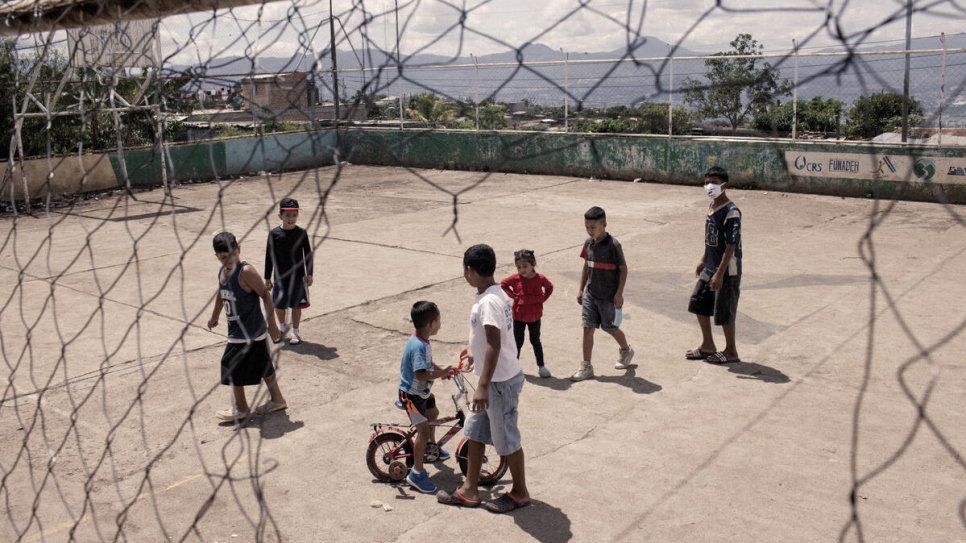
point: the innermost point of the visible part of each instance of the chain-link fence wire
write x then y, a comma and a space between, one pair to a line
99, 96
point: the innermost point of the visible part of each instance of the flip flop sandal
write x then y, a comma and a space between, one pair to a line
697, 354
505, 504
456, 499
270, 407
720, 358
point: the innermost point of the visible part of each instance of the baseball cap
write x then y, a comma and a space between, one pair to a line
288, 203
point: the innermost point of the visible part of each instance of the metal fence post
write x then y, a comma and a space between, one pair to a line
566, 89
476, 90
795, 93
670, 94
942, 90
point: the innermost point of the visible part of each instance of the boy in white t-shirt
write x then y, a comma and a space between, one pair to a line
494, 413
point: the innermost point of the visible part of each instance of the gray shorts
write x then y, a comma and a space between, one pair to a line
597, 313
498, 424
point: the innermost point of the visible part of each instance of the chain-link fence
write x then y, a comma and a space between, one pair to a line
84, 461
539, 89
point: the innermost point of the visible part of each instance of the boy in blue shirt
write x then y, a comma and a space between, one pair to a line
719, 272
416, 373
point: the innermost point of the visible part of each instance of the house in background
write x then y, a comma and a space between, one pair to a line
291, 96
277, 93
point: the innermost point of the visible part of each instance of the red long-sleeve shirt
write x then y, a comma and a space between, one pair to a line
528, 295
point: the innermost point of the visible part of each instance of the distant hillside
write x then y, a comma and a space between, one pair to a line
596, 79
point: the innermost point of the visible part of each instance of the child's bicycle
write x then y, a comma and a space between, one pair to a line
390, 452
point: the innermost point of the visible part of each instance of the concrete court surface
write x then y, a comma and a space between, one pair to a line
107, 419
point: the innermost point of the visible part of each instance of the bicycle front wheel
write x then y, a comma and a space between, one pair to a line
493, 468
389, 456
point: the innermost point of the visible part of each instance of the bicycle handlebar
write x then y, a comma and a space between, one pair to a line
461, 368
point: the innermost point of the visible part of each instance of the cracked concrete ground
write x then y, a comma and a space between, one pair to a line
107, 420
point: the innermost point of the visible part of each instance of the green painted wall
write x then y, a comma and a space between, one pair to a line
223, 158
751, 163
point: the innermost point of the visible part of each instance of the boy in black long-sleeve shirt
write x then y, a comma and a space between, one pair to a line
289, 252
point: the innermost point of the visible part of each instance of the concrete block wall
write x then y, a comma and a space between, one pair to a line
835, 168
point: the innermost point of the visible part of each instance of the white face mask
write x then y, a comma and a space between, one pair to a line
713, 190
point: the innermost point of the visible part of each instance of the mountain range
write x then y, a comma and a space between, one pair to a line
537, 73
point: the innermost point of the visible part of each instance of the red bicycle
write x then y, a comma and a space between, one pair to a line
390, 452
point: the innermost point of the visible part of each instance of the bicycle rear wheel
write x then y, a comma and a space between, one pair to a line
493, 468
389, 456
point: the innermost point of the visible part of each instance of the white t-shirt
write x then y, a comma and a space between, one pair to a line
493, 308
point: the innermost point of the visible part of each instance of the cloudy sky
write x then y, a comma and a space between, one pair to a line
433, 26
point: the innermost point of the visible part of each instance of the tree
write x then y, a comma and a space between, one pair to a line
492, 115
815, 115
653, 119
881, 112
64, 134
429, 108
736, 87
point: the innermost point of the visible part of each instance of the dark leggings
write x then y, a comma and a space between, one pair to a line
519, 329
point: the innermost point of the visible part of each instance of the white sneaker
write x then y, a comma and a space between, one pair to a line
624, 361
284, 331
586, 371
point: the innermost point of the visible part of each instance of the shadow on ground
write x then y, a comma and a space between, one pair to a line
628, 378
543, 522
318, 350
757, 372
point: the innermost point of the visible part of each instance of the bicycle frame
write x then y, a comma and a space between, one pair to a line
390, 453
409, 430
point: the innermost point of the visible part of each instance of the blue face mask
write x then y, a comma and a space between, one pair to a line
713, 190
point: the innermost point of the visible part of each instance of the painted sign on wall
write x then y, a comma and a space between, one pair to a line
878, 167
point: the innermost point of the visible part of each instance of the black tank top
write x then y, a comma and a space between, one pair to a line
245, 320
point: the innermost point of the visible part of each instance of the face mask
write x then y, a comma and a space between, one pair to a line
713, 190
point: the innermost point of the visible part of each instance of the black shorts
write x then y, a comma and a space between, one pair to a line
245, 364
417, 407
290, 292
723, 304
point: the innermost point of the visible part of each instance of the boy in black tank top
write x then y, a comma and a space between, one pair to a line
246, 360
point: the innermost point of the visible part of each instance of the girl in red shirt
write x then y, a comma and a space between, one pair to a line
529, 290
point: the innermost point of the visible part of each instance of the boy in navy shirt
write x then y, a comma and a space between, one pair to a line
719, 272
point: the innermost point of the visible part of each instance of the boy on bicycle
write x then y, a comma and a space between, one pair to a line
416, 373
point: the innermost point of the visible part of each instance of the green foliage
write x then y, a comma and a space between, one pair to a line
736, 87
430, 109
881, 112
492, 116
96, 129
605, 126
367, 101
229, 131
616, 112
462, 124
815, 115
648, 119
8, 69
653, 119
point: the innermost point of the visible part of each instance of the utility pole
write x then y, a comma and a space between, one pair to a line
905, 82
335, 66
399, 67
